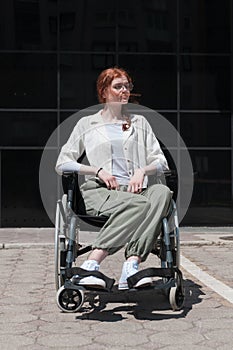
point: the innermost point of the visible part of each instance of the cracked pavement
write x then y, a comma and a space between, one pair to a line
30, 318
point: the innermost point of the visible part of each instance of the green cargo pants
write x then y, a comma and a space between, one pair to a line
134, 219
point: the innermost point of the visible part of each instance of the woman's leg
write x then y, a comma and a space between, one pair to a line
134, 220
126, 212
144, 238
143, 241
98, 255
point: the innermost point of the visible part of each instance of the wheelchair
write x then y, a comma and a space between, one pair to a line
69, 211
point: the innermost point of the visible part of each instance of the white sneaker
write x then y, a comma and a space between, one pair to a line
90, 265
90, 281
128, 270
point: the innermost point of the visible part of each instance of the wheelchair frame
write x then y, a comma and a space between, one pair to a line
70, 297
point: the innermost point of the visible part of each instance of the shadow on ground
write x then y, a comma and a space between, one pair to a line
148, 304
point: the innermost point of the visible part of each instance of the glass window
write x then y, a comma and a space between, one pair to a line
206, 130
171, 117
87, 25
205, 26
78, 78
27, 128
21, 201
205, 82
212, 200
213, 177
154, 78
147, 25
28, 25
65, 115
28, 80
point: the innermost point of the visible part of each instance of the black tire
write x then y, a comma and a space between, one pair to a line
70, 300
60, 245
176, 298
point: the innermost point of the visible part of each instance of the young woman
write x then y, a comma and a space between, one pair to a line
122, 151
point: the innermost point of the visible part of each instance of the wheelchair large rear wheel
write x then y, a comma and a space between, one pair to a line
60, 243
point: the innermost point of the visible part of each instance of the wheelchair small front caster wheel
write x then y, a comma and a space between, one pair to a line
70, 300
176, 298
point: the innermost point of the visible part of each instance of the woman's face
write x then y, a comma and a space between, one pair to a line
118, 90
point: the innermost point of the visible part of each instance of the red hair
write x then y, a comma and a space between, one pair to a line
106, 77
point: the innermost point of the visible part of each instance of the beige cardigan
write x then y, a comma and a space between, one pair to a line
140, 145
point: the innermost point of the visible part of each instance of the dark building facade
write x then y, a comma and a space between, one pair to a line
179, 53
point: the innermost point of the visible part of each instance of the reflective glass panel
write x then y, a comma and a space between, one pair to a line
147, 25
28, 80
21, 201
27, 128
171, 117
87, 25
28, 25
78, 75
212, 200
205, 26
213, 177
207, 130
154, 78
205, 82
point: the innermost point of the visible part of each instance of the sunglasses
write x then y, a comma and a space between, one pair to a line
126, 86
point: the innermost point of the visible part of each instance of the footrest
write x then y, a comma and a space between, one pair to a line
84, 273
150, 272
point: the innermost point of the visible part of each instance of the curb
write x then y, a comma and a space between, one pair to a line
51, 245
25, 245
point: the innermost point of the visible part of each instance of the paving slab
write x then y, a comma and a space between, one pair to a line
40, 237
30, 318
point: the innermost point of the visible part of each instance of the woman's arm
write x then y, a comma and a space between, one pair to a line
77, 167
71, 151
82, 169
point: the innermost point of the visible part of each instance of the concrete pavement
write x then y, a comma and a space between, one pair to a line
30, 318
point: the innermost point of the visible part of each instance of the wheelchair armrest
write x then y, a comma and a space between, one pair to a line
74, 196
69, 173
69, 184
170, 173
72, 173
71, 188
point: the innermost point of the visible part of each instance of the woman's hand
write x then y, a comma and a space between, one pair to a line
108, 179
136, 181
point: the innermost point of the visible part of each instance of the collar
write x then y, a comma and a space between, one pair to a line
97, 119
